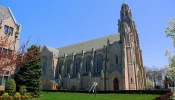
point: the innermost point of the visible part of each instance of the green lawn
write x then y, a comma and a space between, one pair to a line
80, 96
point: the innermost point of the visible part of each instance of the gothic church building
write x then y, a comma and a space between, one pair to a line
114, 62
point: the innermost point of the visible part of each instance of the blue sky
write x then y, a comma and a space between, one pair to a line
59, 23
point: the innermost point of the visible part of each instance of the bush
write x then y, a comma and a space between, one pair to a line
5, 96
171, 97
157, 87
165, 96
10, 87
17, 96
26, 96
22, 90
59, 88
81, 89
36, 94
73, 87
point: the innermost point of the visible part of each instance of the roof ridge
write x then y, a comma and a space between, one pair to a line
10, 13
87, 41
51, 47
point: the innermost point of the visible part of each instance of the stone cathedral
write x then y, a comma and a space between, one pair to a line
114, 61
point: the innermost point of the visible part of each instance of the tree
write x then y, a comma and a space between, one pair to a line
12, 59
29, 73
170, 32
148, 83
154, 74
167, 82
10, 87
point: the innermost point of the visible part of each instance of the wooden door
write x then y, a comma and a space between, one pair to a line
116, 84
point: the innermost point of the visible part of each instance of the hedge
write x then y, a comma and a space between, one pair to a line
158, 92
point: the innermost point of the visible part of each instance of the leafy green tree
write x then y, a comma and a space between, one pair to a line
29, 74
10, 87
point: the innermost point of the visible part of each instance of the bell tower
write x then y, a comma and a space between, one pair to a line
131, 53
125, 13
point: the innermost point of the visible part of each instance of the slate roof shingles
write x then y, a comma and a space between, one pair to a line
4, 13
88, 45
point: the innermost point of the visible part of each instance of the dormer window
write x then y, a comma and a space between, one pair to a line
8, 30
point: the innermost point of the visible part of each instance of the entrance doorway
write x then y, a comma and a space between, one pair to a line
116, 84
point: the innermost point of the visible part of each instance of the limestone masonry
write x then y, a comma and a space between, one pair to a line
114, 61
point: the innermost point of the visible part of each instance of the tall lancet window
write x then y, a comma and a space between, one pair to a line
88, 64
116, 60
122, 16
60, 67
57, 72
44, 68
126, 15
99, 63
68, 66
77, 66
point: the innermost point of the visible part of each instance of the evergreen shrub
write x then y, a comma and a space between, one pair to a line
10, 87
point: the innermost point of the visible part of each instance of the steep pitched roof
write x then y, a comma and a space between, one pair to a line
55, 51
6, 13
88, 45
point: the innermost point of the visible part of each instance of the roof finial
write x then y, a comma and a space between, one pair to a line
124, 2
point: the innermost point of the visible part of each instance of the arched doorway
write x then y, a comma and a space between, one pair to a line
116, 84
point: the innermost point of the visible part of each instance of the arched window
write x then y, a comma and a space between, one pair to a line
60, 66
56, 72
68, 66
99, 63
44, 68
116, 60
122, 16
88, 64
77, 66
126, 15
131, 80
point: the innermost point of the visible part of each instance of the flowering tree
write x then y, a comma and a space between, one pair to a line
11, 58
148, 83
170, 32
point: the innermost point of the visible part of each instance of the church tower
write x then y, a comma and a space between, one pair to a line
134, 74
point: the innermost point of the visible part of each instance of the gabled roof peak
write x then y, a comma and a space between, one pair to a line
6, 13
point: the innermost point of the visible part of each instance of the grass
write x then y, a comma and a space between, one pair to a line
81, 96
